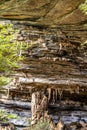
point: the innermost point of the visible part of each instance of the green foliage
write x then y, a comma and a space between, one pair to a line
4, 116
43, 125
4, 80
9, 48
84, 6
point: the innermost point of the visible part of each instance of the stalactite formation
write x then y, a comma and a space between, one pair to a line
39, 106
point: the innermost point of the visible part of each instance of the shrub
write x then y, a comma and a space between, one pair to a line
84, 6
10, 50
43, 125
4, 80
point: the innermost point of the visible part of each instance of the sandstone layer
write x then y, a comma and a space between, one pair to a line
44, 12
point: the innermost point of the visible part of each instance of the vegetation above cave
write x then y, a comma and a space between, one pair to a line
84, 7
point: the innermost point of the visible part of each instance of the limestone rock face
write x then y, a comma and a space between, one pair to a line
43, 12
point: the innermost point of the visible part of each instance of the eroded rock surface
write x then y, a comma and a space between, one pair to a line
55, 65
54, 60
43, 12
